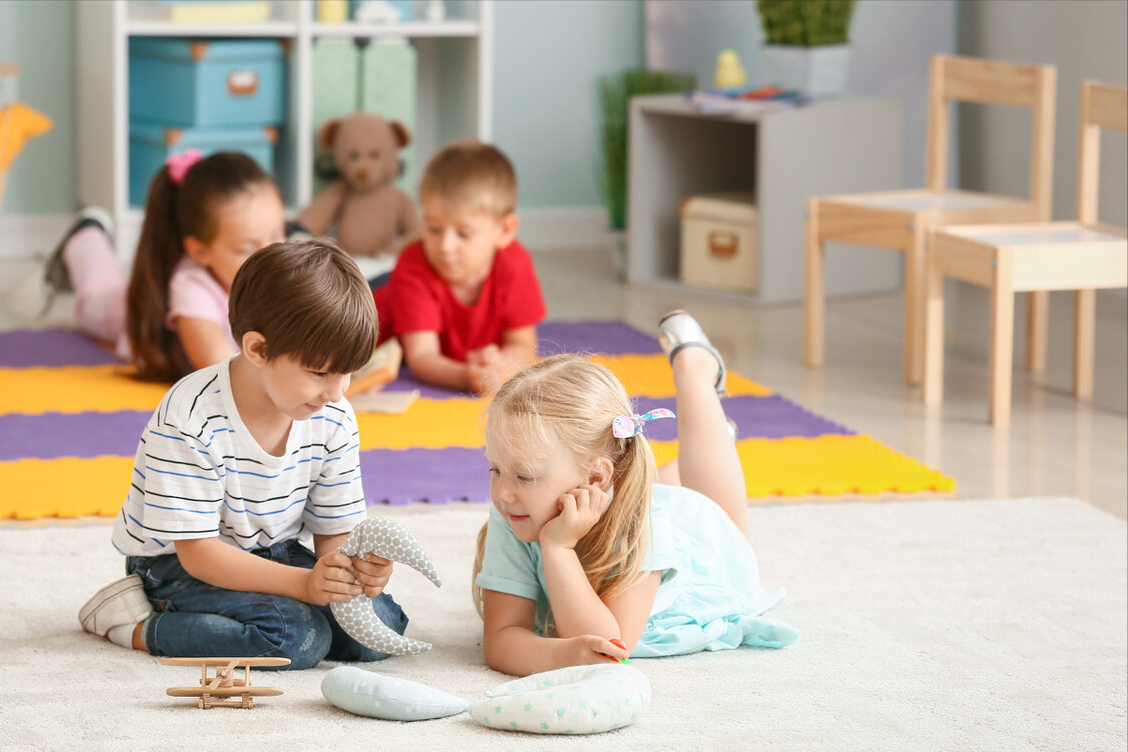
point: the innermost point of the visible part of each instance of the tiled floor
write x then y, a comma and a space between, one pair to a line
1055, 446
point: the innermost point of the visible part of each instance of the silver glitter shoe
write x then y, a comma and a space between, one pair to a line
678, 329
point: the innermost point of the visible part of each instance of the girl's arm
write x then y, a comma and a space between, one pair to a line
511, 645
578, 610
225, 566
576, 607
203, 341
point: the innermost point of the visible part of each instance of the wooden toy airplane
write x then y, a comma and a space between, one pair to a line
212, 689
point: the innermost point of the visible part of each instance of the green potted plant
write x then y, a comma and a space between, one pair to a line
614, 93
807, 43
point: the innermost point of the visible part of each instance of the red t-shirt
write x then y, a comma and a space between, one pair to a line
416, 299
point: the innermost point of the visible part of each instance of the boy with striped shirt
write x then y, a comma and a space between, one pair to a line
241, 465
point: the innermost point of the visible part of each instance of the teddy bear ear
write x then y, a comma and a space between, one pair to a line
328, 132
402, 134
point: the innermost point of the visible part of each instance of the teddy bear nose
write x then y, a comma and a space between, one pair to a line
362, 175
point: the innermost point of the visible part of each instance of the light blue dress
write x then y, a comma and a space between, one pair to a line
710, 597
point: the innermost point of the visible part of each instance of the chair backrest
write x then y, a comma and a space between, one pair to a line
969, 79
1102, 106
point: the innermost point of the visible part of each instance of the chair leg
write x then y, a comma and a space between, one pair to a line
914, 307
934, 335
1037, 316
1084, 318
1002, 351
814, 290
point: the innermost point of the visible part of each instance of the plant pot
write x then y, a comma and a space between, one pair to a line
814, 71
617, 243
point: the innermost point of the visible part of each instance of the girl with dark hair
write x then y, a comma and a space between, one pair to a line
203, 218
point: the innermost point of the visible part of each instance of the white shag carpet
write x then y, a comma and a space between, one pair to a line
925, 625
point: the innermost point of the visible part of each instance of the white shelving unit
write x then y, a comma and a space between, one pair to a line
454, 88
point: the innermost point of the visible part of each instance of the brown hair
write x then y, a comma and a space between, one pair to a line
577, 401
472, 175
308, 299
174, 212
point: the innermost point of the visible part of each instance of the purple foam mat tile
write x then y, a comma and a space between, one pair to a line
405, 382
588, 336
772, 417
89, 434
436, 476
24, 348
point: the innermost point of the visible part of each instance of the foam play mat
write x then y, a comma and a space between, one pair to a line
70, 419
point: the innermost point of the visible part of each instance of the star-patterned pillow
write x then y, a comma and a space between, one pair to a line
575, 700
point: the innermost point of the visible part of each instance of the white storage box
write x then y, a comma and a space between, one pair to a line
718, 241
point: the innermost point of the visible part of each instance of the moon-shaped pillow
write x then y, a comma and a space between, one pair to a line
390, 540
377, 696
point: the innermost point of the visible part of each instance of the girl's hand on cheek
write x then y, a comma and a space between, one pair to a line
580, 509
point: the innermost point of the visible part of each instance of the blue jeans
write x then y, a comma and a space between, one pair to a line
194, 618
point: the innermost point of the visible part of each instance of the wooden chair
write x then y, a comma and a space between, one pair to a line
898, 220
1082, 256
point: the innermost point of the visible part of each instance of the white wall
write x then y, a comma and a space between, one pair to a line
892, 41
39, 36
1084, 39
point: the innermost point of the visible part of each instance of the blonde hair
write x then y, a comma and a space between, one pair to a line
576, 401
473, 176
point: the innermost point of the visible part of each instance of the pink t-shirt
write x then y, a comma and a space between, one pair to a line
194, 292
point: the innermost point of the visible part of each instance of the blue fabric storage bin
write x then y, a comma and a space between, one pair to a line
150, 145
220, 82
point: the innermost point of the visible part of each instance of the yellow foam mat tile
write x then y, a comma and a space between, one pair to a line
650, 376
75, 389
832, 465
428, 423
64, 487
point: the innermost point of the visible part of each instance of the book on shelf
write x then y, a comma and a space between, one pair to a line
744, 101
201, 11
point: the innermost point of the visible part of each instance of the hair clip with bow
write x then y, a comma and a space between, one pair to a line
627, 426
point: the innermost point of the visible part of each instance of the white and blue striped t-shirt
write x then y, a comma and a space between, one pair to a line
199, 473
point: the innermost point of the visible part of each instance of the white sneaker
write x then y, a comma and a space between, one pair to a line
55, 273
120, 602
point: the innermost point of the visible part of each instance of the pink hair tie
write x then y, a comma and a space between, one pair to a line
179, 164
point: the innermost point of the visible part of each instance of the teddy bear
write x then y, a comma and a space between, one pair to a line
372, 216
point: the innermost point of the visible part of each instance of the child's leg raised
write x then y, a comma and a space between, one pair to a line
99, 284
707, 458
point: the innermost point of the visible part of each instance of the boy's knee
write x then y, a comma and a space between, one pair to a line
302, 634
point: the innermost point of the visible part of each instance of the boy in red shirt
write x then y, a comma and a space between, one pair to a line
465, 301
